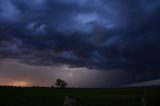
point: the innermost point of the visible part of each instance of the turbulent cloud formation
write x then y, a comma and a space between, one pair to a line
96, 34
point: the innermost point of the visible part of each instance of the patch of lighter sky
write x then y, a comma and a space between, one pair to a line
22, 74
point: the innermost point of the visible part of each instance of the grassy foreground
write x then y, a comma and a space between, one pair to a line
84, 97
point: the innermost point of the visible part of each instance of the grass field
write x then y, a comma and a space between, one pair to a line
84, 97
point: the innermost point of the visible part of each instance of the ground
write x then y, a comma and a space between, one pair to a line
84, 97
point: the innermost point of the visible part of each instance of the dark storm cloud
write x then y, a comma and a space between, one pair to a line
100, 35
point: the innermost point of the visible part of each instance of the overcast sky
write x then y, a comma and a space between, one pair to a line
88, 43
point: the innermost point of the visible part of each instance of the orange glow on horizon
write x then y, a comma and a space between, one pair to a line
19, 83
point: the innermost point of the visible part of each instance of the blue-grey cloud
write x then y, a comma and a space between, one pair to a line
97, 34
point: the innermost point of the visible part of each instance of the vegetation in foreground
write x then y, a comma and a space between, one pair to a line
84, 97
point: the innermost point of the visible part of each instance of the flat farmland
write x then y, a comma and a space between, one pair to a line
84, 97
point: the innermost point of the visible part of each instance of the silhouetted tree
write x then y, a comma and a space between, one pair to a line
61, 84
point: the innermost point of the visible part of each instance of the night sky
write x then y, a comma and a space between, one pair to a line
87, 43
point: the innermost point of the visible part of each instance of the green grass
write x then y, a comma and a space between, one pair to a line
84, 97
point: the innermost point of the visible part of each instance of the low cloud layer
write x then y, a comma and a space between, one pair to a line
96, 34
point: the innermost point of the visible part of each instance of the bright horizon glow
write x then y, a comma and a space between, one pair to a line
17, 83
